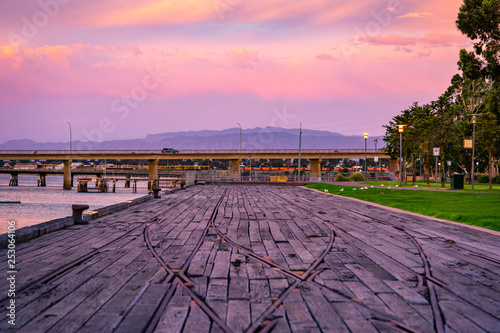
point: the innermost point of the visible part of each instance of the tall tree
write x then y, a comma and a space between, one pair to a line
480, 21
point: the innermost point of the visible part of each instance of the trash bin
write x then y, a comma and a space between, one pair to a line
457, 182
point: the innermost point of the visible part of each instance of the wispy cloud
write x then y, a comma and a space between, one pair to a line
415, 15
430, 39
325, 57
245, 57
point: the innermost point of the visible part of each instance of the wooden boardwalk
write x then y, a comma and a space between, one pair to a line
257, 259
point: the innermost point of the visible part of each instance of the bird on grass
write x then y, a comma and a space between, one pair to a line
382, 185
354, 189
326, 190
396, 186
341, 189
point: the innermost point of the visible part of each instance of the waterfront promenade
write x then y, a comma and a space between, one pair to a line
257, 259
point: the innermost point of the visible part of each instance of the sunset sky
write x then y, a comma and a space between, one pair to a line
127, 68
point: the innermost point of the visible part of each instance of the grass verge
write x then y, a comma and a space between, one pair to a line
467, 187
474, 208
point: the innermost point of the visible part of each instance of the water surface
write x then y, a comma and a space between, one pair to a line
41, 204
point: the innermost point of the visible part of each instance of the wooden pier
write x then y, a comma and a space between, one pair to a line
257, 259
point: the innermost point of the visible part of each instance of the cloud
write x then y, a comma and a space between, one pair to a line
415, 15
423, 53
245, 57
325, 57
430, 40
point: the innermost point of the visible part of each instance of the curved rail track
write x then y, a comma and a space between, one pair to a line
177, 280
425, 278
265, 322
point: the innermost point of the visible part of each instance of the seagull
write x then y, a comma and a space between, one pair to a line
382, 185
362, 188
371, 186
354, 189
341, 189
326, 190
396, 186
415, 186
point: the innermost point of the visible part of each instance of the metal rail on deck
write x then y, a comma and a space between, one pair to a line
184, 152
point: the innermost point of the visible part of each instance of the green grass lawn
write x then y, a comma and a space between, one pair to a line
467, 186
479, 208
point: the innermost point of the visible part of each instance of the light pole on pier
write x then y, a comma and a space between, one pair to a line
70, 140
375, 159
104, 155
240, 136
300, 147
474, 119
401, 129
365, 135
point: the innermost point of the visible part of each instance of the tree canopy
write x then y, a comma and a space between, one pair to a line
446, 122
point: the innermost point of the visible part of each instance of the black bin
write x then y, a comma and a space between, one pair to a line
457, 182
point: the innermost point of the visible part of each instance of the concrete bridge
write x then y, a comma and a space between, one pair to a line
235, 157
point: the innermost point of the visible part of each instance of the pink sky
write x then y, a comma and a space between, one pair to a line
125, 69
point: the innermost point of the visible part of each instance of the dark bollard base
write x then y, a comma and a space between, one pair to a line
78, 212
156, 193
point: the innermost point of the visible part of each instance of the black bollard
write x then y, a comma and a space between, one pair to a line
77, 213
156, 192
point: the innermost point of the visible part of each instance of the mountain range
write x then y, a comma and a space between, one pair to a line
256, 138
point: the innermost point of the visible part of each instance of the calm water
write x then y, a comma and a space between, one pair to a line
41, 204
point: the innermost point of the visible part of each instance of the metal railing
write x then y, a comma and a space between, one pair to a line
187, 152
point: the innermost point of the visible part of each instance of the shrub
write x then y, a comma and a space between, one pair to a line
496, 179
356, 177
340, 178
483, 178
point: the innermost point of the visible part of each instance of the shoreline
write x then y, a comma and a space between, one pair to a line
26, 233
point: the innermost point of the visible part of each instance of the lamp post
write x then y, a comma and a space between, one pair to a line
240, 136
375, 159
365, 135
104, 155
250, 164
474, 119
300, 147
401, 129
70, 140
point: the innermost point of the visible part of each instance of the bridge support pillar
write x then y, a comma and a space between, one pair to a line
68, 179
42, 180
234, 169
13, 179
315, 170
152, 174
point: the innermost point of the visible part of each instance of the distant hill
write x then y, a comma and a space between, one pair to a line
256, 138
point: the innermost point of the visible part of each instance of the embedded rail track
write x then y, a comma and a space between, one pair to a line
258, 259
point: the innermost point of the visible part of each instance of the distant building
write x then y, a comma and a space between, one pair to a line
27, 166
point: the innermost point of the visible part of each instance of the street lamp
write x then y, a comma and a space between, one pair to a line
365, 135
70, 140
376, 158
401, 129
300, 147
240, 136
250, 165
104, 155
474, 119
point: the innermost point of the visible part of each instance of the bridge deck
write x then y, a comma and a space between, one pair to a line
244, 258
